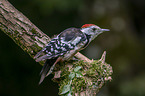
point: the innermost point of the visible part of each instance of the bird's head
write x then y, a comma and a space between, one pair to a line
92, 30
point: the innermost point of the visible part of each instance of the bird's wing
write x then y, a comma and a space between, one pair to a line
52, 50
64, 42
72, 36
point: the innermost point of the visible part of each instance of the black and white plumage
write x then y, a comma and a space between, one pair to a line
69, 39
66, 45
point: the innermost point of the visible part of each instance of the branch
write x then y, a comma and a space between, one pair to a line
82, 78
24, 33
21, 29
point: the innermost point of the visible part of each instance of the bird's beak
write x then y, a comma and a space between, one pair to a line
105, 30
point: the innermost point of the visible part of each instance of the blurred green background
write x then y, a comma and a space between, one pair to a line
125, 44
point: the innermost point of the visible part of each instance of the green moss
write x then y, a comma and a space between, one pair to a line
78, 84
90, 75
33, 31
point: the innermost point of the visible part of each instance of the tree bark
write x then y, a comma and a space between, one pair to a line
21, 29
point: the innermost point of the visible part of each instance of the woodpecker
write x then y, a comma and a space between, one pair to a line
65, 45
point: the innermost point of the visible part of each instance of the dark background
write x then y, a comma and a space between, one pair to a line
125, 44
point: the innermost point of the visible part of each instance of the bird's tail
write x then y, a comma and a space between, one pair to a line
46, 68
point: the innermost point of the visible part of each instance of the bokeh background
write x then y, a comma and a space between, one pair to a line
125, 44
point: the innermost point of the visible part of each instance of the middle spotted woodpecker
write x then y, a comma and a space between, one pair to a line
65, 45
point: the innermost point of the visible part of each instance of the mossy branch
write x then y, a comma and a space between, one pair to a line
82, 78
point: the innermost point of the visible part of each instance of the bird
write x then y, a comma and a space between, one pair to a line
65, 45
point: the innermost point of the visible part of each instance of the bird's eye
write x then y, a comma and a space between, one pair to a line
94, 29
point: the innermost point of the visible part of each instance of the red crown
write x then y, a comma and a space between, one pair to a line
87, 25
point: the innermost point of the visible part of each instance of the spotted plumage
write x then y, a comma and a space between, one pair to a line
67, 40
65, 45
